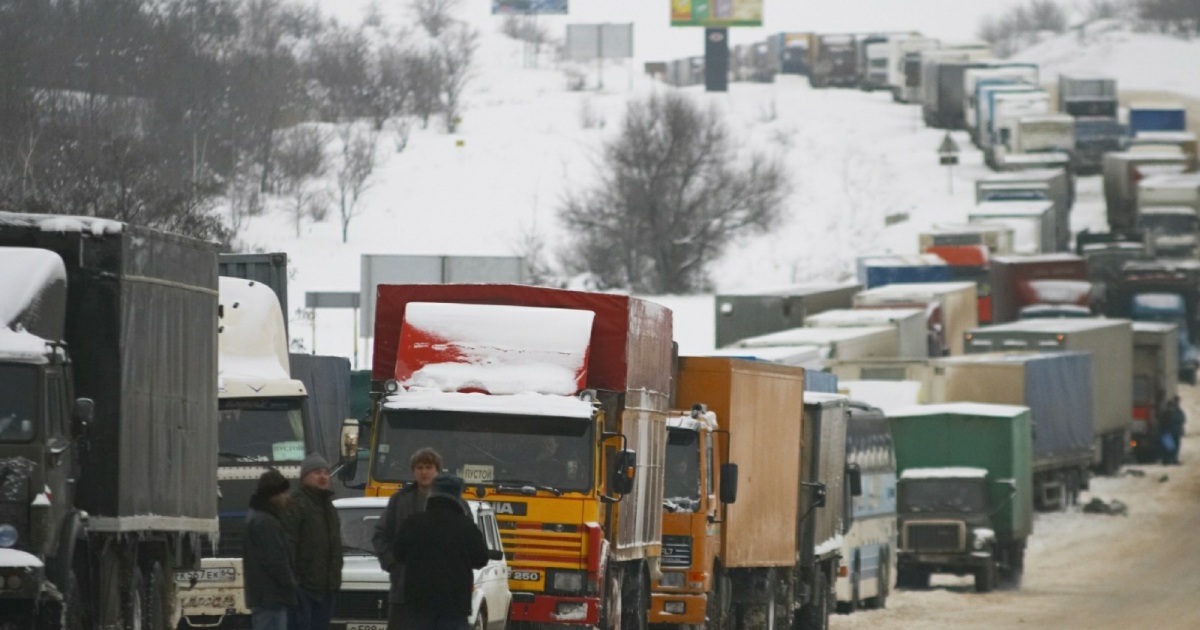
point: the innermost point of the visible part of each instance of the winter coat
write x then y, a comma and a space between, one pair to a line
440, 547
315, 533
400, 507
269, 580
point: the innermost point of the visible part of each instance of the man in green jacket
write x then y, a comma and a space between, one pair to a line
315, 534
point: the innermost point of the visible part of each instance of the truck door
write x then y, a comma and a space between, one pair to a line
61, 456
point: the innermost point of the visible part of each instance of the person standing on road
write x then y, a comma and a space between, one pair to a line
1175, 421
426, 463
440, 548
269, 583
315, 533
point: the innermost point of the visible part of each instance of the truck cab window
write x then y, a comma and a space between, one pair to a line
18, 402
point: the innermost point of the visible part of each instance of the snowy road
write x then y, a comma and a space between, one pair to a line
1086, 570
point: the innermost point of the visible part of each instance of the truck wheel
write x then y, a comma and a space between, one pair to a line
720, 601
610, 611
879, 602
135, 601
635, 601
160, 594
76, 617
815, 614
985, 578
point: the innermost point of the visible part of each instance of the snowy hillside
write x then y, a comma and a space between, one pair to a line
525, 140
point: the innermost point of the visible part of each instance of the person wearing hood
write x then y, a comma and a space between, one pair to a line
440, 548
315, 534
269, 581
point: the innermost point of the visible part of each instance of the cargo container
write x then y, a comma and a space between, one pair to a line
944, 94
1155, 381
959, 310
1020, 282
1034, 223
901, 371
999, 124
900, 54
869, 545
1080, 95
834, 343
743, 315
964, 495
996, 237
1171, 141
1157, 116
1123, 171
1095, 136
1110, 342
877, 271
985, 102
1164, 291
910, 324
1057, 185
824, 515
833, 61
108, 355
1057, 389
996, 73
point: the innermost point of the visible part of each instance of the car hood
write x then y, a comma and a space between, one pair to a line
364, 571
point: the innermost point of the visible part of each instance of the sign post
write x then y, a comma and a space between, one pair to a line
948, 157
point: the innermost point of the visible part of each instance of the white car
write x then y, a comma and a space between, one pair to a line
362, 604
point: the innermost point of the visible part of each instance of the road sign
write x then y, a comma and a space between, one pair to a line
948, 146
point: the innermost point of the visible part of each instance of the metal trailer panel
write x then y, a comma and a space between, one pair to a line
269, 269
823, 453
910, 324
1072, 87
1057, 388
947, 110
959, 302
741, 316
1036, 221
880, 273
1161, 117
997, 438
1120, 183
1058, 184
761, 405
1110, 341
142, 334
1008, 272
1155, 370
820, 382
327, 381
896, 370
1170, 190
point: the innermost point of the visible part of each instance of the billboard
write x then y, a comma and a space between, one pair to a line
589, 42
716, 12
529, 7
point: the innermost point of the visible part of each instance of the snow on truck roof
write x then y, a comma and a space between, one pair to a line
251, 343
21, 346
847, 317
527, 404
961, 408
31, 271
812, 336
1059, 325
958, 472
56, 223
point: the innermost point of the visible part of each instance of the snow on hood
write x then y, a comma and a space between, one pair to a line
57, 223
18, 558
31, 272
528, 404
20, 345
955, 472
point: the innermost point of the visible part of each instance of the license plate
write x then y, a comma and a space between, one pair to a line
222, 574
366, 626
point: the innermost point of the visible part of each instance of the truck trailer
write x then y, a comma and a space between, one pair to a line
1155, 381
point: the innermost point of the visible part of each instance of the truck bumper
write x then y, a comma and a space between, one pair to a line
689, 608
956, 563
555, 609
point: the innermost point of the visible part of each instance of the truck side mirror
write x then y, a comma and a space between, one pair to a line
854, 479
348, 451
818, 494
729, 483
624, 468
84, 413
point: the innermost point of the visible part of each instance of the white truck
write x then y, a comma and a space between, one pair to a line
975, 79
1006, 110
909, 323
264, 422
1034, 223
903, 55
958, 302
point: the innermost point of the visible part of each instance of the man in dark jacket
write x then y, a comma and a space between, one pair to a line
269, 581
315, 533
426, 463
440, 548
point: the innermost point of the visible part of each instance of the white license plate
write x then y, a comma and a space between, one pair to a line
366, 626
222, 574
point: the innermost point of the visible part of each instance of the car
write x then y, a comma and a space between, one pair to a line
362, 604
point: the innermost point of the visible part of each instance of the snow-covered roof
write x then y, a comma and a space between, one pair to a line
29, 271
855, 317
252, 344
21, 346
955, 472
528, 404
824, 398
1162, 301
961, 408
812, 336
1064, 325
1153, 327
62, 223
916, 290
886, 395
1033, 259
1001, 209
1168, 210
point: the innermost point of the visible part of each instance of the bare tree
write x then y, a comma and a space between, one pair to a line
1182, 15
434, 15
427, 78
675, 190
354, 173
301, 159
1020, 25
458, 48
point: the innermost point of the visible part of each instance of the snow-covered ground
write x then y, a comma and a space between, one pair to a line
526, 140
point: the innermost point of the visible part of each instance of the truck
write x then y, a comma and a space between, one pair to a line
264, 423
1021, 284
1034, 223
732, 487
1037, 136
1165, 291
750, 314
998, 239
1084, 95
1184, 141
964, 494
986, 93
108, 419
910, 325
1155, 381
1167, 210
1110, 342
1122, 172
869, 546
1092, 101
552, 406
996, 73
1157, 116
881, 270
833, 343
833, 61
1057, 185
1057, 389
958, 302
1001, 120
944, 92
901, 54
793, 52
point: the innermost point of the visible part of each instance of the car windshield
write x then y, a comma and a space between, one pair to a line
358, 529
489, 448
682, 479
18, 402
943, 495
261, 430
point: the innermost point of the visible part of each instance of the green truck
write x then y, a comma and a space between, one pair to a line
964, 492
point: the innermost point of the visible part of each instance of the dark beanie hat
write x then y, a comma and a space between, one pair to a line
271, 483
449, 487
314, 461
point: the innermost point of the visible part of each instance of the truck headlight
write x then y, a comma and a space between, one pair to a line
8, 535
982, 538
567, 581
671, 579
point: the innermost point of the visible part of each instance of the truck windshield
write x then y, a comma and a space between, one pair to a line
261, 430
942, 495
1170, 224
682, 480
18, 402
489, 448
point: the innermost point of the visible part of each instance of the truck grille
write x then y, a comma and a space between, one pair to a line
542, 545
938, 536
361, 606
677, 551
